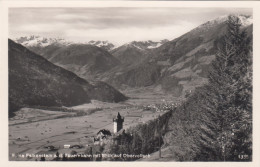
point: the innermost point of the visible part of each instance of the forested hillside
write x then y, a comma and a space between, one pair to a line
215, 122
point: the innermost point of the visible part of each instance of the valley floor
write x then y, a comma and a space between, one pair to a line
32, 129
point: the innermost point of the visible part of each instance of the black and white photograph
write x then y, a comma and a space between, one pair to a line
135, 84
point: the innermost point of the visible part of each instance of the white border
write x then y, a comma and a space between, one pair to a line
4, 5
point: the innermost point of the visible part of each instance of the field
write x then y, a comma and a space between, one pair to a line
32, 130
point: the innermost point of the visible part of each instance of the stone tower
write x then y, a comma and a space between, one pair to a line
118, 123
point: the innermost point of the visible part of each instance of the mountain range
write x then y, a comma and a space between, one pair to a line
136, 51
39, 41
174, 67
90, 59
34, 81
179, 65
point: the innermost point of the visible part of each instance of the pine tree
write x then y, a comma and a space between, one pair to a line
227, 105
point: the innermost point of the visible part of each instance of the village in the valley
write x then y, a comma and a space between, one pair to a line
80, 129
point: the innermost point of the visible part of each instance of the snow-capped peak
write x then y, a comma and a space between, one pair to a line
102, 44
143, 45
40, 41
32, 41
244, 20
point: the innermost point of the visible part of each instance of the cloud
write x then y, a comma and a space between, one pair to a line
36, 28
127, 34
113, 24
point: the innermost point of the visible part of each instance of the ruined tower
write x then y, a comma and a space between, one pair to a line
118, 123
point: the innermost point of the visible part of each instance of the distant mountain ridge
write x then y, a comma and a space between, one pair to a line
85, 60
34, 41
89, 59
39, 41
180, 65
175, 66
106, 45
146, 44
136, 51
34, 81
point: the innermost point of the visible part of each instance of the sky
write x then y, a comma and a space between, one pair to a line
118, 25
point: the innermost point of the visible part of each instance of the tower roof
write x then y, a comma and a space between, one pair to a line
118, 115
118, 118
